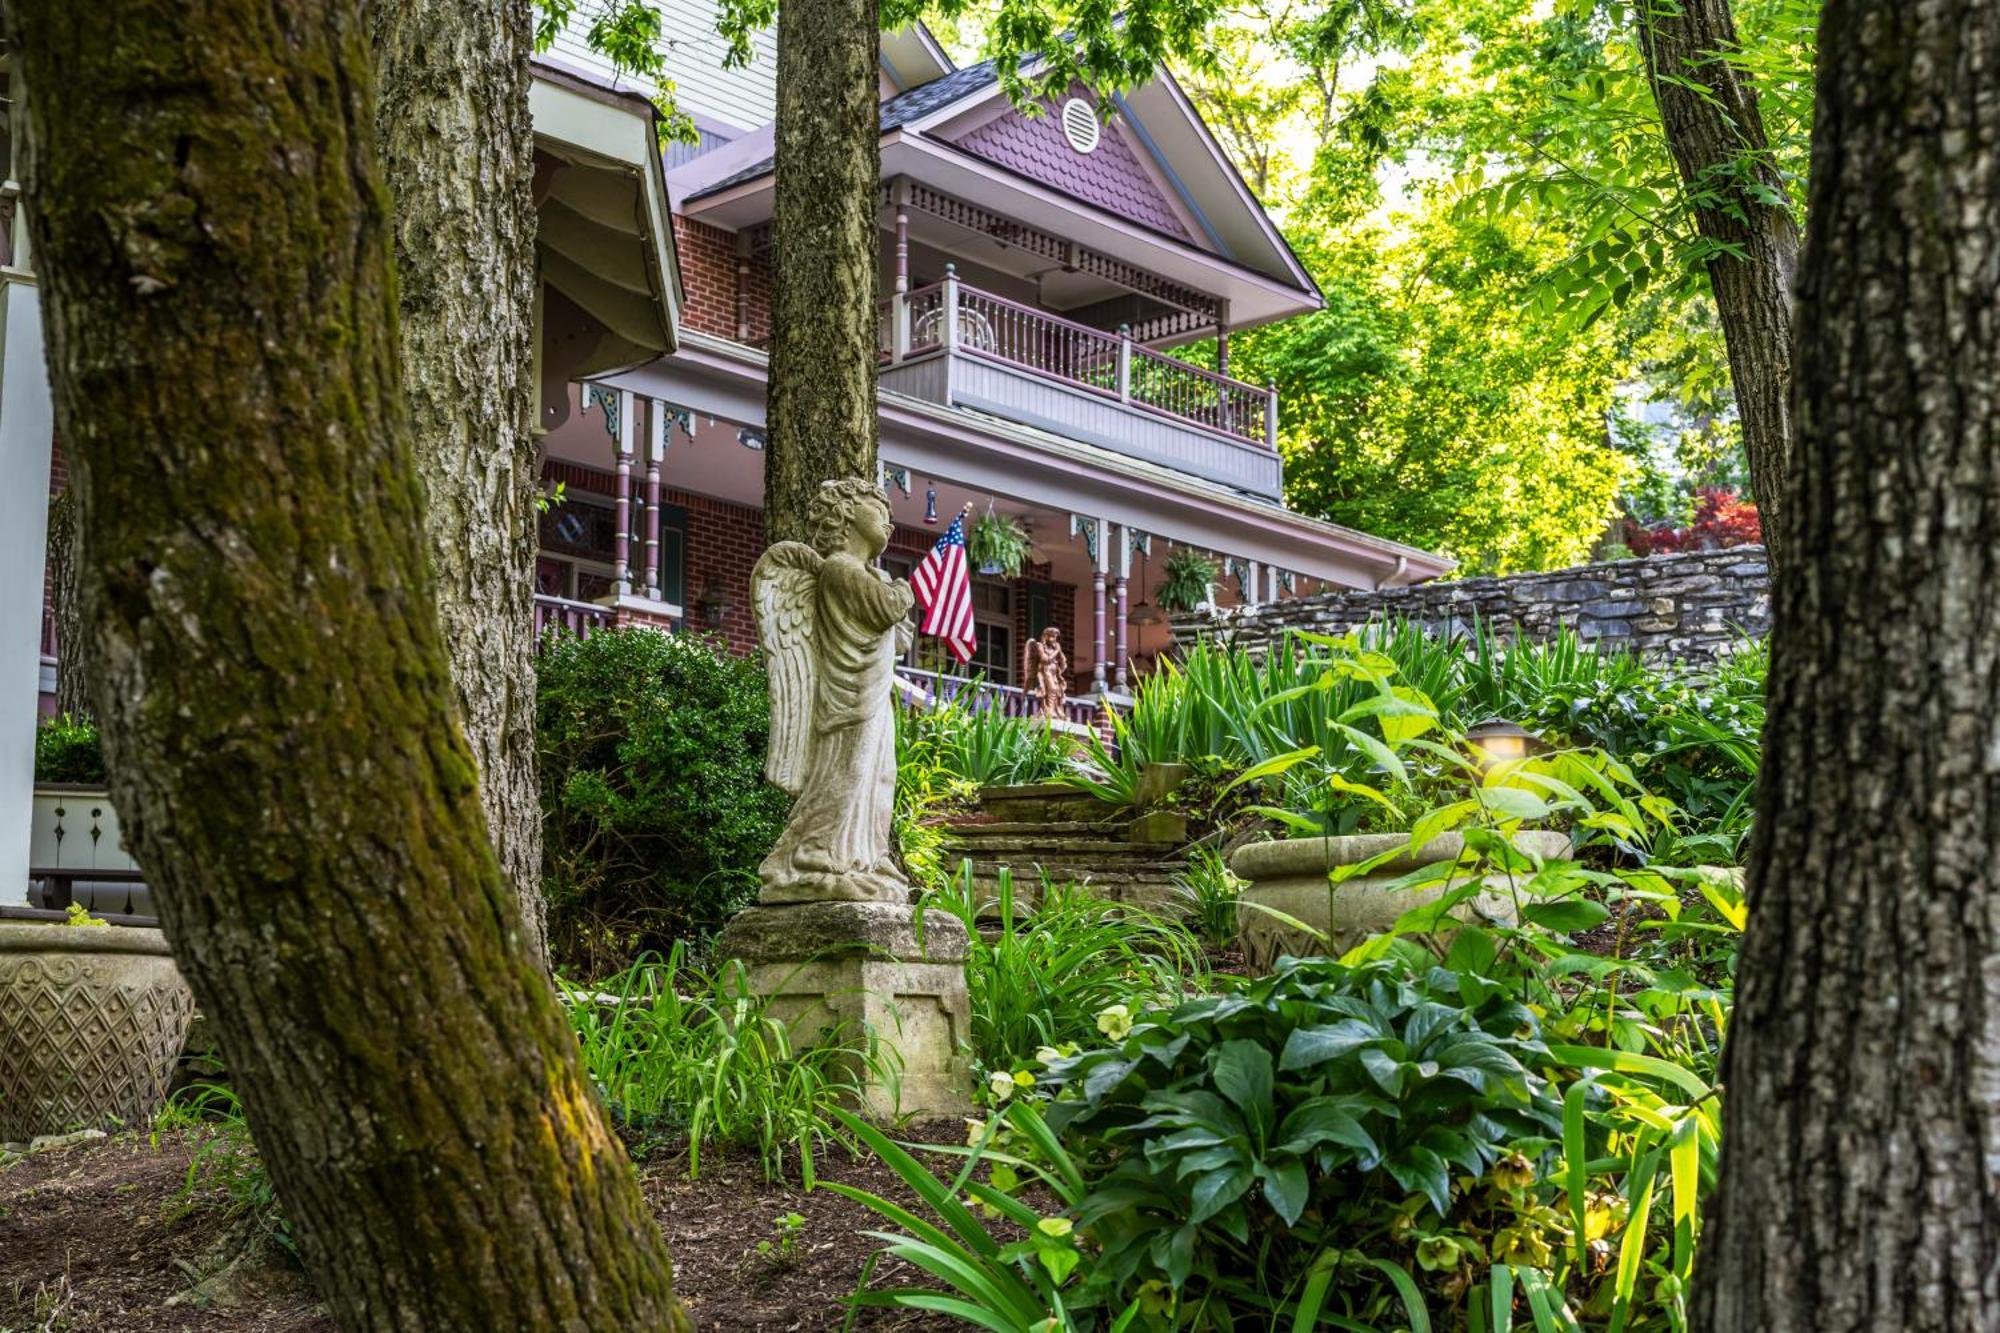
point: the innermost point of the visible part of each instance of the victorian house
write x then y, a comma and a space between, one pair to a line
1036, 275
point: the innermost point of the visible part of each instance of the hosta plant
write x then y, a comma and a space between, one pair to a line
1364, 1139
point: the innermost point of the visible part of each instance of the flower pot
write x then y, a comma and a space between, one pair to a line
1294, 878
96, 1016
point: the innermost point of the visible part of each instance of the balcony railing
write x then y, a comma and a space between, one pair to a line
955, 318
567, 617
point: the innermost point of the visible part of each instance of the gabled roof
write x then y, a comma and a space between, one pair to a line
898, 111
943, 116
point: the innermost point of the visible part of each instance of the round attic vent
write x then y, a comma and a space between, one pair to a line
1079, 123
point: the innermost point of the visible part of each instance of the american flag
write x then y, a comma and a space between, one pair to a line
943, 586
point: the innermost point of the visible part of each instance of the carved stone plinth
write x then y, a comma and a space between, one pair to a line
855, 970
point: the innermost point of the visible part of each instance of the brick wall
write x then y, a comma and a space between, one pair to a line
708, 276
1687, 607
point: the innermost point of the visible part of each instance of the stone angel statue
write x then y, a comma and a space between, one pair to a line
832, 626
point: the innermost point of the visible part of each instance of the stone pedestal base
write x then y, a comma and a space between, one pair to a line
863, 969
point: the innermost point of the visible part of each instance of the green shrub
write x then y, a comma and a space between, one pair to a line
1380, 1115
680, 1052
67, 749
1044, 977
655, 812
984, 746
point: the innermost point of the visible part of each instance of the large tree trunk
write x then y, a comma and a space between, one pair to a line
1716, 135
279, 719
458, 156
1862, 1123
828, 160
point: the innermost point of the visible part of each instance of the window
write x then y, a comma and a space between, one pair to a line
992, 652
673, 554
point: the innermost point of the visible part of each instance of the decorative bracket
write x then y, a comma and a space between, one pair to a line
751, 439
1141, 542
1090, 529
897, 476
598, 395
1288, 582
1238, 568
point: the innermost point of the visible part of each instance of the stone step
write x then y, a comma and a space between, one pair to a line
1113, 831
1064, 841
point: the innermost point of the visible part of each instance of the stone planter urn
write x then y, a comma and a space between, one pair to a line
91, 1021
1293, 877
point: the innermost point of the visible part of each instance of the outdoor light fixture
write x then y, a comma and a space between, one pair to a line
714, 603
930, 506
1498, 741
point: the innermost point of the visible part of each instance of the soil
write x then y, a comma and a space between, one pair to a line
94, 1238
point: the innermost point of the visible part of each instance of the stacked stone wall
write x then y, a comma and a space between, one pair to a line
1694, 606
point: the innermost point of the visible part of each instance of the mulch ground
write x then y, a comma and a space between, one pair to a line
91, 1241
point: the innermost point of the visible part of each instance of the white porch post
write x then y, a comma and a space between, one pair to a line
1253, 585
621, 546
1120, 676
1103, 553
1271, 583
27, 432
656, 453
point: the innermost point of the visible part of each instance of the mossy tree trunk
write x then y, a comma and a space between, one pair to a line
279, 717
1859, 1186
825, 236
458, 156
1715, 133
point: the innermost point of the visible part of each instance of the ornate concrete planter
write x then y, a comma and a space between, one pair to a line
91, 1020
1293, 877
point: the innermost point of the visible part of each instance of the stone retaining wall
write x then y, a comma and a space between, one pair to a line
1688, 607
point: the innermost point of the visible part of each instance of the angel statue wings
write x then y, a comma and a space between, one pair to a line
832, 626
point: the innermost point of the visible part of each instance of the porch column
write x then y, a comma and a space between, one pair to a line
1121, 676
1097, 610
901, 193
656, 452
1253, 585
1271, 583
27, 433
621, 541
1222, 337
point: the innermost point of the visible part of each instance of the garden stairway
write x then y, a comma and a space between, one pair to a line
1053, 831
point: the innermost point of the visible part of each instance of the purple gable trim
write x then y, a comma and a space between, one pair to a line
1110, 177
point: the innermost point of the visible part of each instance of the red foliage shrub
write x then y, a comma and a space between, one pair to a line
1721, 518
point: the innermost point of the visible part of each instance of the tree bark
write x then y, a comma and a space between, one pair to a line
65, 550
278, 715
1860, 1179
823, 339
458, 157
1716, 135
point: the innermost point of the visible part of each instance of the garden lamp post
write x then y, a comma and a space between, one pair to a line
1498, 741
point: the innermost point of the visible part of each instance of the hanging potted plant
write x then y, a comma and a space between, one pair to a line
1186, 580
998, 545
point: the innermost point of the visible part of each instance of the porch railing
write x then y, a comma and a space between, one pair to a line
567, 617
978, 694
961, 319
